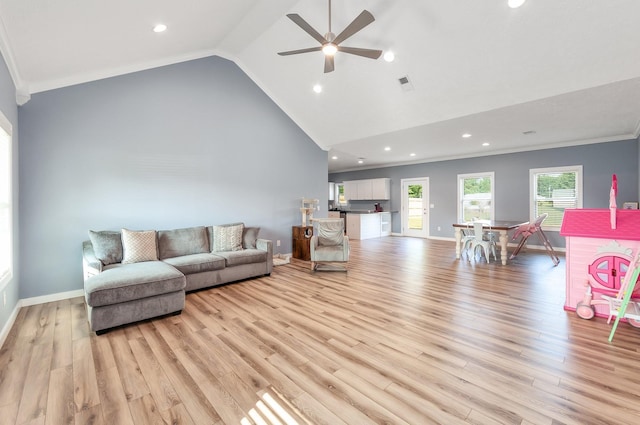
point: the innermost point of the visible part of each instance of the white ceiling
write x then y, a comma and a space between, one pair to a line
566, 69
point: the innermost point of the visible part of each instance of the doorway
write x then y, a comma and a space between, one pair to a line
415, 207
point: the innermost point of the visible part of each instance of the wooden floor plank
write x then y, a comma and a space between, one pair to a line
408, 335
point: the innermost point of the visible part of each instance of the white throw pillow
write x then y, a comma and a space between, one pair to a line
227, 238
139, 246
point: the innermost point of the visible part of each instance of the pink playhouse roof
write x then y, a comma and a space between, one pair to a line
596, 223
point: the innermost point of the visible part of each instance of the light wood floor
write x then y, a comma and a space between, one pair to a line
408, 336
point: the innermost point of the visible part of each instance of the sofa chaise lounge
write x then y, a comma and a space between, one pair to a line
136, 275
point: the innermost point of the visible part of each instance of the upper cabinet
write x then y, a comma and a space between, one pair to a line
332, 191
381, 189
367, 190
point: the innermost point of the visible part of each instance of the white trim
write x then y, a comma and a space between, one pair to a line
7, 326
461, 177
554, 145
52, 297
550, 170
6, 127
9, 59
404, 202
33, 301
510, 244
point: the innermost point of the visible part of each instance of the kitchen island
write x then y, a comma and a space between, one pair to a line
368, 224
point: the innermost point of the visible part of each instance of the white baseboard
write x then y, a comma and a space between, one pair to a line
53, 297
7, 326
33, 301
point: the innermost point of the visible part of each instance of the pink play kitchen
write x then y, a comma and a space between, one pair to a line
602, 246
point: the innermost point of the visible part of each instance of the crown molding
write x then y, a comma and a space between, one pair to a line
22, 92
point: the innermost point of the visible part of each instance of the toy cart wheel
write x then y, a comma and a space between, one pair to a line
585, 311
634, 323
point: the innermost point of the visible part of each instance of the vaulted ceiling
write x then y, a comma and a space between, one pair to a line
550, 73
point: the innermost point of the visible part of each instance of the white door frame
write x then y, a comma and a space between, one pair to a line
404, 184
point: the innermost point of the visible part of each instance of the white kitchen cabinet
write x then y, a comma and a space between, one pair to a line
364, 190
332, 191
350, 190
363, 226
380, 189
385, 224
368, 189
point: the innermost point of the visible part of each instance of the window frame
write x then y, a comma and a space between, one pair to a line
533, 179
6, 127
461, 178
337, 195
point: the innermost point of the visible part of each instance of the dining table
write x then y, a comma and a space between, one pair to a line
502, 227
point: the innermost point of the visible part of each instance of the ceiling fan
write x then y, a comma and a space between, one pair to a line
330, 43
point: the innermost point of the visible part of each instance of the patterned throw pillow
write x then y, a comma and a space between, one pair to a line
139, 246
227, 238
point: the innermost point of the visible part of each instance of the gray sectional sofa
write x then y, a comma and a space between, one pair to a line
136, 275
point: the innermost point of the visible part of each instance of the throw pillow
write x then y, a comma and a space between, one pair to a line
249, 237
107, 246
139, 246
227, 238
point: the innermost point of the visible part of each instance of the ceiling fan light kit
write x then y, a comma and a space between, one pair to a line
330, 43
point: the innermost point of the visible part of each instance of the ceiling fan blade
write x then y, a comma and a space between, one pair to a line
328, 64
367, 53
361, 21
295, 52
306, 27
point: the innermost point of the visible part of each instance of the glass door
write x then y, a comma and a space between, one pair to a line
415, 207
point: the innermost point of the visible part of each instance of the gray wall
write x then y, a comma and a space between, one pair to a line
196, 143
599, 162
10, 111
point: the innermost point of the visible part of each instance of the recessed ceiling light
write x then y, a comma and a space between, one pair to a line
514, 4
485, 144
412, 154
334, 157
160, 28
387, 148
389, 56
466, 135
317, 88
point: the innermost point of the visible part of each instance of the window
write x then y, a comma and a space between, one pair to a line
6, 244
340, 194
553, 190
475, 196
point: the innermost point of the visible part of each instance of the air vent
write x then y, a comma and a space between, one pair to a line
405, 83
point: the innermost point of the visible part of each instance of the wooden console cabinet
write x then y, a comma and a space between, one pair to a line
302, 242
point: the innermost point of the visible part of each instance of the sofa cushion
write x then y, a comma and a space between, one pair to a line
246, 256
249, 237
128, 282
227, 237
196, 263
107, 246
139, 246
178, 242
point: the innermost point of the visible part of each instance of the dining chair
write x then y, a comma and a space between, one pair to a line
468, 235
488, 246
